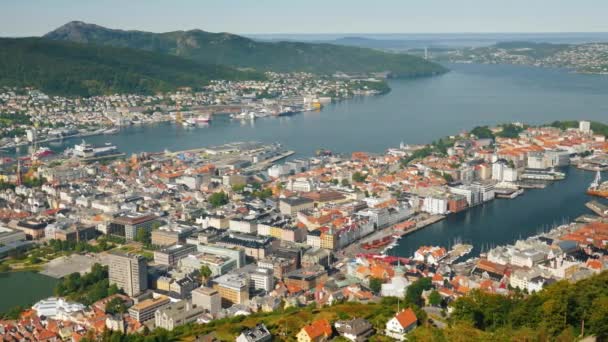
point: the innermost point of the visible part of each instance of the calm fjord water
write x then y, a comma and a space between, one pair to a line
415, 111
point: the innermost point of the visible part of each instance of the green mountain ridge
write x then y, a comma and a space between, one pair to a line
67, 68
241, 52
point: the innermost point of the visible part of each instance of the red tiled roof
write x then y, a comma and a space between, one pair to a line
406, 318
318, 328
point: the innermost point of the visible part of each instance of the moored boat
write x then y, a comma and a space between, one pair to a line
597, 187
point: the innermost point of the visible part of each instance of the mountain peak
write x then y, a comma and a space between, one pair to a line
242, 52
77, 31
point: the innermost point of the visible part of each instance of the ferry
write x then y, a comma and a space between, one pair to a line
597, 187
43, 152
86, 150
203, 119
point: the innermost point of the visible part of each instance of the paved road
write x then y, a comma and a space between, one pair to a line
431, 310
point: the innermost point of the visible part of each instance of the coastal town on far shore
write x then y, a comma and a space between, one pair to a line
164, 239
588, 58
30, 115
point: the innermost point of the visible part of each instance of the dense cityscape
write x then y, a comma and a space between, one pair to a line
229, 231
255, 172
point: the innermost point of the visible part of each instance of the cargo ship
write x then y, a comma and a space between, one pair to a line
597, 188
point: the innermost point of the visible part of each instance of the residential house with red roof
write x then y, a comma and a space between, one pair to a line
403, 322
317, 331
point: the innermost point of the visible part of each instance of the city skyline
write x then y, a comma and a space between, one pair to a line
34, 18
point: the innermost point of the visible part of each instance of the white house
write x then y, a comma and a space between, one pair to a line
403, 322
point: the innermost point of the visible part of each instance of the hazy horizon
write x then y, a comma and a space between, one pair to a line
20, 18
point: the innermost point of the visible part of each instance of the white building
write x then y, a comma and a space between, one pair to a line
243, 226
395, 288
435, 205
57, 308
527, 258
403, 322
502, 172
486, 189
529, 280
557, 158
176, 314
300, 184
262, 279
536, 160
584, 126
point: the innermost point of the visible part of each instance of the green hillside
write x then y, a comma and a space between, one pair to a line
65, 68
554, 314
238, 51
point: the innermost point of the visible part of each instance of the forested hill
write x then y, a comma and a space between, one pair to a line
238, 51
66, 68
557, 313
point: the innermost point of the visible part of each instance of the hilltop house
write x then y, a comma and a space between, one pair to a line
403, 322
318, 331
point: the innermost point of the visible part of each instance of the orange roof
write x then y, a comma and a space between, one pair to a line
293, 288
594, 264
381, 271
404, 225
406, 318
45, 335
318, 328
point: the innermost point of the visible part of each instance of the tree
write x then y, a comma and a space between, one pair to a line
116, 306
359, 177
144, 236
448, 177
218, 199
413, 294
205, 272
435, 298
238, 187
375, 284
345, 182
482, 132
13, 313
598, 320
263, 194
510, 131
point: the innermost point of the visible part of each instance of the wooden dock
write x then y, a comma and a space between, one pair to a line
598, 208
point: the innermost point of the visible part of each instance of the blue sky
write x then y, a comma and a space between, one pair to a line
36, 17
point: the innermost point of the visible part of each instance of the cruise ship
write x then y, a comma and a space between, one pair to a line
86, 150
